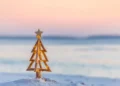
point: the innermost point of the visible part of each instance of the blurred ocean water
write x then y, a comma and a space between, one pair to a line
89, 57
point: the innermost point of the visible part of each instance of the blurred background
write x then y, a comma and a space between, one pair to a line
81, 37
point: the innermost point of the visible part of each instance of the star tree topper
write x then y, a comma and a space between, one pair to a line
38, 33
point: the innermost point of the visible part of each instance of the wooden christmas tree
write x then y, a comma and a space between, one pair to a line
38, 57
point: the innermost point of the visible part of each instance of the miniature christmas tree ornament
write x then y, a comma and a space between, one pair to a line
38, 57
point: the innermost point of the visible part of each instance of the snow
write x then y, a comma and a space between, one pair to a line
7, 79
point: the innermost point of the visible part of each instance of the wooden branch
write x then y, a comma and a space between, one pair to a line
29, 67
35, 67
40, 64
44, 56
43, 46
47, 67
45, 70
34, 46
31, 59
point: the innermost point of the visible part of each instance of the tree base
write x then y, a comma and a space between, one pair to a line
38, 75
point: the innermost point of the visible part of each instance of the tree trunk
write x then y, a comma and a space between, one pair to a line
38, 75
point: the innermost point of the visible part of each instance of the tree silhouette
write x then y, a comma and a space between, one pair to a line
38, 57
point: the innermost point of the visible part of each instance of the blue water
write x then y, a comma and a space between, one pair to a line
89, 57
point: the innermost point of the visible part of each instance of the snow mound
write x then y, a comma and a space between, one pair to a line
55, 80
31, 82
35, 82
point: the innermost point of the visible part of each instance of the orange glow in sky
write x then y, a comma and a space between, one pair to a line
60, 17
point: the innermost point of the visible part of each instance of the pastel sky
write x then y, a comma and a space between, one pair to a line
60, 17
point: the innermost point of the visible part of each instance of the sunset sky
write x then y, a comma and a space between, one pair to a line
60, 17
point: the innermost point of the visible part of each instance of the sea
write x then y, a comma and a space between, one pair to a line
98, 57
